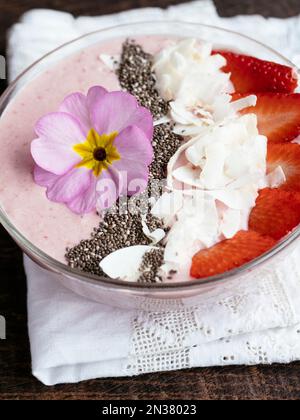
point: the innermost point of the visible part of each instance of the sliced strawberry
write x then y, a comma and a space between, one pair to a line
278, 115
288, 157
250, 74
276, 213
229, 254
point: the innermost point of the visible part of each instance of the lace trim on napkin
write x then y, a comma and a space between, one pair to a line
170, 340
158, 341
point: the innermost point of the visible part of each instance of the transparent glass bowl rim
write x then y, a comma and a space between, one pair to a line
58, 267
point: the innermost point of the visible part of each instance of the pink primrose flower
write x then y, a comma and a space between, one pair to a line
93, 150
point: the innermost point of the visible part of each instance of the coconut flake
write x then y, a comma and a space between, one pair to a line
124, 264
196, 226
276, 178
155, 236
242, 103
230, 223
163, 120
175, 158
188, 175
167, 206
194, 105
240, 199
296, 141
111, 61
180, 66
232, 155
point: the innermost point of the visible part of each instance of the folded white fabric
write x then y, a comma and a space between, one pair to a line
73, 339
40, 31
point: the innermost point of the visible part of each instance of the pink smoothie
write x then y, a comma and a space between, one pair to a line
50, 226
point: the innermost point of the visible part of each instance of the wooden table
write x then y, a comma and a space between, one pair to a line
16, 381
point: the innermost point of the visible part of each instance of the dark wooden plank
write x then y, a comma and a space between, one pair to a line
267, 8
16, 381
11, 10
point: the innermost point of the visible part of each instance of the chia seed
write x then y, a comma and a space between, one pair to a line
136, 76
116, 231
149, 268
165, 143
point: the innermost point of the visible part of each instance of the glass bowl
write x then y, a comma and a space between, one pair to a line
150, 297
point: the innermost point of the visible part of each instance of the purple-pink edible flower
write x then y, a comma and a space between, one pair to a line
96, 148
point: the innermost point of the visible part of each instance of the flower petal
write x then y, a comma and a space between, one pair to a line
142, 119
82, 203
43, 178
107, 190
60, 127
85, 202
94, 94
133, 176
76, 105
57, 159
117, 110
53, 150
69, 186
132, 144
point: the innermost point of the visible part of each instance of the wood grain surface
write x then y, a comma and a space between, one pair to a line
280, 382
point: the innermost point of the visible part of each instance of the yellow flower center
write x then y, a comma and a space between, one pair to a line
98, 151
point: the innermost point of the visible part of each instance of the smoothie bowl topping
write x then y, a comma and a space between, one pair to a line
184, 159
99, 140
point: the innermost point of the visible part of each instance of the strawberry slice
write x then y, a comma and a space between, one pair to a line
278, 115
276, 213
229, 254
250, 74
288, 157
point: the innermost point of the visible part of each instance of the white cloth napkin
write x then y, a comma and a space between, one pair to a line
73, 339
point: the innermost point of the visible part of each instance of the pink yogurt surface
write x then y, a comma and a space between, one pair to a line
50, 226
